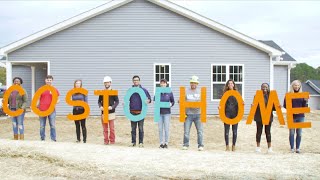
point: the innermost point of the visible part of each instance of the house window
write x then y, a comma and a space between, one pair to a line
162, 71
221, 74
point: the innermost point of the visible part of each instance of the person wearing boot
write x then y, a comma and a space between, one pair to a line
258, 119
16, 101
80, 110
231, 110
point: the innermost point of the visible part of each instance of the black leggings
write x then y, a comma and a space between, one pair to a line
234, 133
82, 123
267, 130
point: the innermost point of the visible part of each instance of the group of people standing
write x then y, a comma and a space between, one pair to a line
193, 94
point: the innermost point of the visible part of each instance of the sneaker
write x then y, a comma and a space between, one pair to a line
298, 151
200, 148
132, 145
161, 146
270, 150
258, 150
165, 146
292, 150
53, 140
185, 148
141, 145
77, 141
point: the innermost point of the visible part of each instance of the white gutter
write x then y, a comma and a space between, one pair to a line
271, 72
287, 63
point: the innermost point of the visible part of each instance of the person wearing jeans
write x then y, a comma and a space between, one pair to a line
296, 103
52, 123
193, 115
44, 104
113, 103
80, 110
298, 131
16, 101
165, 115
135, 109
193, 118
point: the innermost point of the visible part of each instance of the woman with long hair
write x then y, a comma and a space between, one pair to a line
80, 110
296, 103
231, 110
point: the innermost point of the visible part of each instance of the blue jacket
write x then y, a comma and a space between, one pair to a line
166, 97
135, 100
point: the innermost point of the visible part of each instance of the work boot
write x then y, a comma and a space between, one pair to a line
15, 137
233, 148
21, 136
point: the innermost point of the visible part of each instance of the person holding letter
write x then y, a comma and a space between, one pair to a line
295, 87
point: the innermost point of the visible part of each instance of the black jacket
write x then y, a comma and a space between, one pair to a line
231, 107
113, 101
257, 115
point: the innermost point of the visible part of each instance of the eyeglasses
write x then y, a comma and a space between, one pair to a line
136, 80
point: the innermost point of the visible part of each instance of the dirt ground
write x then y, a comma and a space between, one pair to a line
66, 159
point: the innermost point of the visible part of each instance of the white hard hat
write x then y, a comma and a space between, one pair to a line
107, 79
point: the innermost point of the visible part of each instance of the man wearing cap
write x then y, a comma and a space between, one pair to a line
193, 94
135, 109
113, 103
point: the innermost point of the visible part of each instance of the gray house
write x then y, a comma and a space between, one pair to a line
313, 87
151, 38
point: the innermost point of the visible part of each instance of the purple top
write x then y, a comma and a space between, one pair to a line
14, 99
79, 97
135, 100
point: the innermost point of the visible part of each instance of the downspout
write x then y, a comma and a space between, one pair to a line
290, 66
8, 72
271, 72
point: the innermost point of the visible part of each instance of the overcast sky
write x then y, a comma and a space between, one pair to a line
294, 25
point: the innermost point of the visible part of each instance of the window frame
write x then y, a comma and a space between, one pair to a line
227, 78
154, 75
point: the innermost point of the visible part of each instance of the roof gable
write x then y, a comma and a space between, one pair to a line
314, 84
285, 57
307, 88
162, 3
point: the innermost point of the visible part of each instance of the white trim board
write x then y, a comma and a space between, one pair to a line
163, 3
9, 68
227, 78
154, 77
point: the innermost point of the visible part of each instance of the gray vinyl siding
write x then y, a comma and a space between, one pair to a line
314, 103
40, 75
128, 41
281, 81
25, 73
